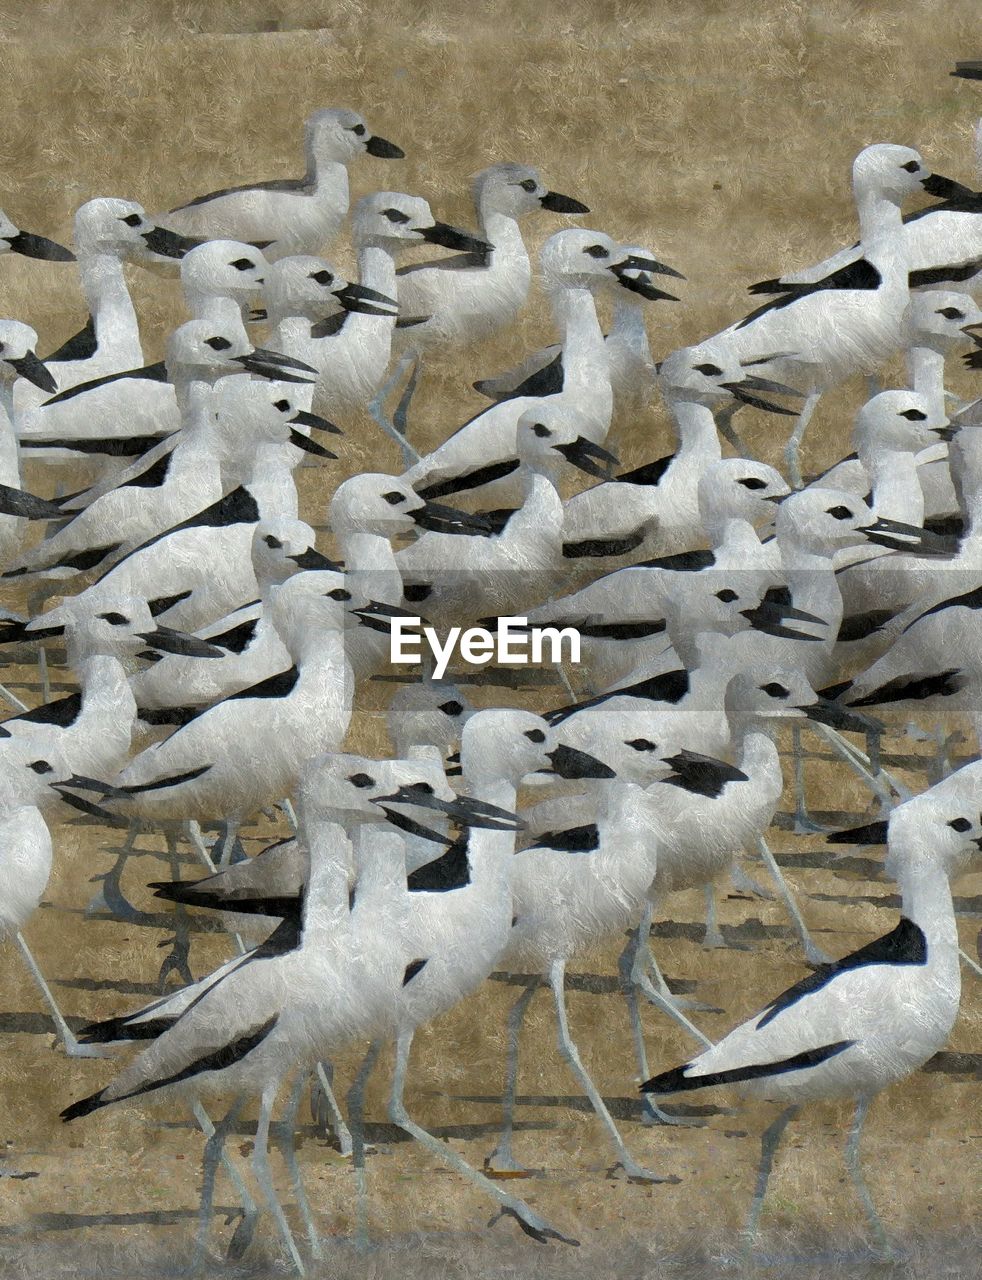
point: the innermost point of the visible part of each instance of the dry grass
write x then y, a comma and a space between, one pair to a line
722, 135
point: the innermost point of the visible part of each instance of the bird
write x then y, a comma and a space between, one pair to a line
18, 362
289, 215
853, 1027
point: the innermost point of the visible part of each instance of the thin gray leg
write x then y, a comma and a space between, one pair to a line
285, 1133
69, 1043
969, 963
792, 450
804, 824
377, 410
502, 1156
768, 1146
260, 1165
813, 953
645, 962
11, 698
712, 937
724, 425
286, 804
356, 1118
325, 1109
43, 673
214, 1155
400, 416
569, 1051
511, 1206
198, 841
743, 882
856, 1173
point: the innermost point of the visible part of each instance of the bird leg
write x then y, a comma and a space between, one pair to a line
768, 1146
724, 425
260, 1166
813, 953
214, 1155
859, 763
792, 450
286, 804
200, 848
644, 962
712, 937
377, 409
176, 960
856, 1173
11, 698
743, 882
804, 824
569, 1051
285, 1134
400, 416
71, 1046
324, 1108
502, 1158
227, 841
356, 1117
527, 1218
969, 963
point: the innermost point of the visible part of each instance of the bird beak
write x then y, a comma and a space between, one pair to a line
836, 716
377, 616
936, 184
18, 502
968, 70
703, 774
312, 559
557, 203
974, 331
167, 640
32, 246
770, 617
309, 445
945, 433
586, 455
449, 237
741, 391
272, 365
314, 420
440, 519
898, 536
385, 150
465, 810
168, 243
868, 833
29, 366
633, 277
568, 762
358, 297
89, 807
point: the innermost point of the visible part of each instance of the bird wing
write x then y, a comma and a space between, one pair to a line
857, 275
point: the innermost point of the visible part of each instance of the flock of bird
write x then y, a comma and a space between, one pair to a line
217, 653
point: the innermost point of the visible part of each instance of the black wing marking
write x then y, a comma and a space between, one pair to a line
81, 346
111, 446
547, 381
676, 1081
669, 687
412, 968
860, 275
914, 688
149, 372
497, 519
330, 326
860, 625
639, 629
600, 547
471, 261
969, 600
153, 477
63, 712
954, 272
238, 638
161, 784
160, 604
80, 560
681, 562
468, 479
450, 871
292, 186
904, 945
701, 775
237, 507
950, 526
584, 839
278, 686
648, 474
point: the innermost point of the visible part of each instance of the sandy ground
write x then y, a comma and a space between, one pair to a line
721, 135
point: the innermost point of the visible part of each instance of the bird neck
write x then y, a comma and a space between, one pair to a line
695, 429
325, 904
811, 579
104, 286
897, 493
377, 270
585, 367
628, 328
489, 853
504, 234
879, 216
926, 898
926, 369
270, 481
195, 402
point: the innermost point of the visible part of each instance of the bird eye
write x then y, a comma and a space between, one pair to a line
218, 344
322, 277
535, 735
529, 184
451, 708
913, 415
597, 251
394, 497
338, 593
839, 513
959, 824
774, 690
395, 215
951, 313
361, 780
419, 788
358, 130
541, 430
911, 166
642, 744
132, 219
2, 347
710, 370
271, 542
726, 595
281, 405
242, 264
114, 619
40, 766
751, 482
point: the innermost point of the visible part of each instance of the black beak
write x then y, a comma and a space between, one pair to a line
586, 455
272, 365
258, 313
32, 246
741, 391
907, 537
34, 370
168, 243
824, 711
869, 833
17, 502
945, 433
358, 297
453, 238
440, 519
770, 617
90, 808
376, 616
568, 762
968, 70
974, 331
465, 810
703, 775
936, 184
167, 640
972, 360
385, 150
627, 278
308, 445
556, 203
314, 420
312, 559
641, 262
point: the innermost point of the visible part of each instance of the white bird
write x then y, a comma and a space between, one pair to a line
868, 1020
576, 266
18, 362
289, 215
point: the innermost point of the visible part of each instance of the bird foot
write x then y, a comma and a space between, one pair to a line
653, 1115
635, 1172
531, 1224
242, 1235
685, 1003
75, 1049
815, 956
501, 1164
714, 939
806, 826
